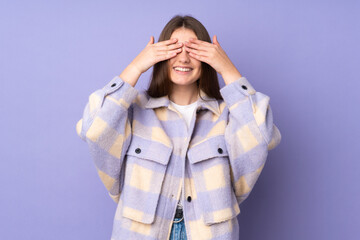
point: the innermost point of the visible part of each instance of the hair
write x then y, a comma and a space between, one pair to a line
160, 84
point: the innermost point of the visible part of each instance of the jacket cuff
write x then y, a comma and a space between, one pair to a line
237, 91
119, 89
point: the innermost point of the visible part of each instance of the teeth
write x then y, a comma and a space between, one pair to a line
183, 69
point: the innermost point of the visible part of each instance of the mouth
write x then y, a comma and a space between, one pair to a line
182, 70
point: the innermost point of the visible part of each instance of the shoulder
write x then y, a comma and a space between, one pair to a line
141, 100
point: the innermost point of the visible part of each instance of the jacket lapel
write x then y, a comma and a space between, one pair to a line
205, 102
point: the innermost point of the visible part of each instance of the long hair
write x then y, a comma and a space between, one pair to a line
160, 84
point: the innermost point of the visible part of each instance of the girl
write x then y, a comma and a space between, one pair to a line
180, 157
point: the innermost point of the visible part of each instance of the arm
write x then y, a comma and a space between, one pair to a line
250, 131
106, 127
249, 134
106, 121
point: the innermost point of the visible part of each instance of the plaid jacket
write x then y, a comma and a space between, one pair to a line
145, 154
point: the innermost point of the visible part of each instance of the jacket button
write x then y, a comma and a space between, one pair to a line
189, 199
113, 85
244, 87
138, 150
220, 150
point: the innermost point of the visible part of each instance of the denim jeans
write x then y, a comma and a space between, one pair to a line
178, 231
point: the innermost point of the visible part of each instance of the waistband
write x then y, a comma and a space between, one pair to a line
178, 213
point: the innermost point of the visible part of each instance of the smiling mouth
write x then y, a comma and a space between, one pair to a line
181, 70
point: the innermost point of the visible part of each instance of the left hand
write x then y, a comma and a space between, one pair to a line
212, 54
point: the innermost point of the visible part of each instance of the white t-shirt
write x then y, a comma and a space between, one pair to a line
187, 112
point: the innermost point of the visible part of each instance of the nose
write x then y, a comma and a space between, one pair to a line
183, 55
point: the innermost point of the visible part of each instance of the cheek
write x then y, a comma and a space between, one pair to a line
199, 69
170, 62
169, 65
198, 65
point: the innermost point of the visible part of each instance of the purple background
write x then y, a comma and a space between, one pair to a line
302, 54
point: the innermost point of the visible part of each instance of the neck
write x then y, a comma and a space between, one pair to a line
184, 95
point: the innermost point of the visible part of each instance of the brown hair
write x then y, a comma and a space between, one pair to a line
160, 84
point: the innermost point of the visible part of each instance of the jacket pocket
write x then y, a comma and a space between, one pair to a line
210, 168
146, 163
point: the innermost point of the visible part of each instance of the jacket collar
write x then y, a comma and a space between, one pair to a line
207, 103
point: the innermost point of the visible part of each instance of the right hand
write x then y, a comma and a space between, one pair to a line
157, 52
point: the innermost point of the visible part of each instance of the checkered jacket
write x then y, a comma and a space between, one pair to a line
145, 155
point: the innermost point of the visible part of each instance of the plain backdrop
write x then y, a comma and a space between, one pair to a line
303, 54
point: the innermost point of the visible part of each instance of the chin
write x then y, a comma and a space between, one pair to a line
183, 82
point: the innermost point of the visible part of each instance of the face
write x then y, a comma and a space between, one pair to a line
183, 59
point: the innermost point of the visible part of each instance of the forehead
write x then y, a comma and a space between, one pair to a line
183, 34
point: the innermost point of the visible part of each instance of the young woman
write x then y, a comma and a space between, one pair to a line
180, 157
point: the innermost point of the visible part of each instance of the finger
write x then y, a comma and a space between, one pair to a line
167, 42
151, 41
164, 52
196, 46
198, 57
166, 56
170, 47
200, 42
215, 41
197, 52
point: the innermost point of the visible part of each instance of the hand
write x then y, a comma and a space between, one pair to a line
214, 55
157, 52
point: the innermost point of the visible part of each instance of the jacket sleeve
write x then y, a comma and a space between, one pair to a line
106, 127
249, 134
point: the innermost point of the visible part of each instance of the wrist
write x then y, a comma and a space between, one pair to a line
231, 75
134, 68
130, 74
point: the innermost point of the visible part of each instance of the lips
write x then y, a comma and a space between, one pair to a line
183, 67
183, 72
